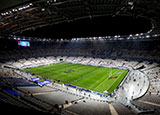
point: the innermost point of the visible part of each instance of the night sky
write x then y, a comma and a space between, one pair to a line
89, 27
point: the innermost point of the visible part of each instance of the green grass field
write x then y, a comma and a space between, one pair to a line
94, 78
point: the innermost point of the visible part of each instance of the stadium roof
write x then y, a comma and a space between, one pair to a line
21, 15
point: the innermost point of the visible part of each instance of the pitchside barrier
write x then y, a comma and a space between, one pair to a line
41, 83
86, 90
36, 79
45, 82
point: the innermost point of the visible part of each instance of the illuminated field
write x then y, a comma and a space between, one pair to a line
94, 78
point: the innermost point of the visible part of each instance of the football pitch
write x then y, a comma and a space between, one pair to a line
94, 78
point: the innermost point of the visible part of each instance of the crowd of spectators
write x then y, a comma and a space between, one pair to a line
129, 50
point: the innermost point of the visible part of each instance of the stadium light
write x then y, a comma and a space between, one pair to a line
43, 9
130, 3
147, 36
132, 7
115, 36
30, 4
137, 34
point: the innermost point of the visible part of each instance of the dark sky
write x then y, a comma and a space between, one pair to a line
98, 26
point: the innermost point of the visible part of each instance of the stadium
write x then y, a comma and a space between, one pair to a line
80, 57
